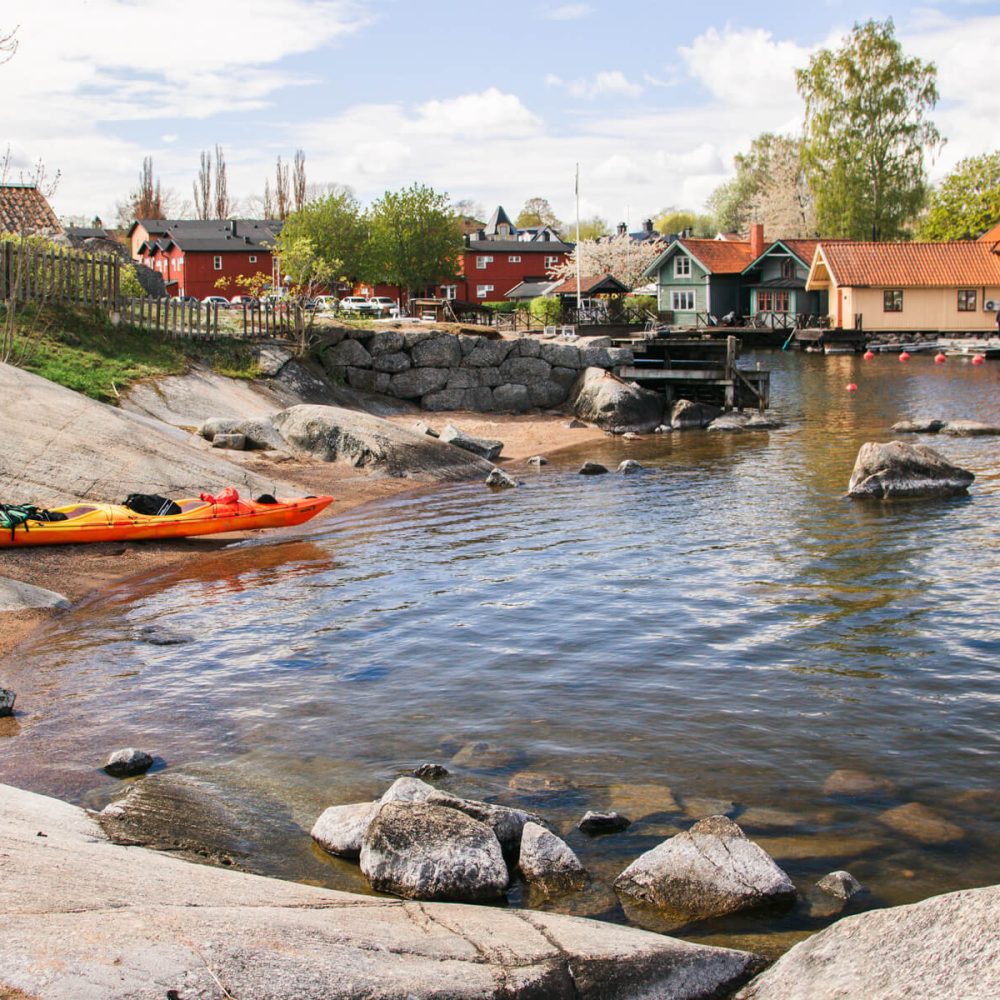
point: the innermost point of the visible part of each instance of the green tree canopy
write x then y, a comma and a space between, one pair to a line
593, 228
414, 238
336, 230
676, 220
865, 133
967, 202
537, 212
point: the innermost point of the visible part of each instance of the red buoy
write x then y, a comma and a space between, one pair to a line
939, 359
852, 387
868, 355
978, 359
905, 356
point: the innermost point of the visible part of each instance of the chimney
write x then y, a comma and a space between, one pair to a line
232, 226
647, 226
480, 234
756, 239
622, 229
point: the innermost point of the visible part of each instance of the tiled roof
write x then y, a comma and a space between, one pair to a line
23, 209
912, 265
589, 285
991, 235
720, 256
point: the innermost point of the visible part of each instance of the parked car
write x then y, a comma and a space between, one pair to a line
382, 305
326, 303
216, 300
357, 304
188, 298
243, 300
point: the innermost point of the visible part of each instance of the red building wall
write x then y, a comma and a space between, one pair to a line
502, 273
194, 273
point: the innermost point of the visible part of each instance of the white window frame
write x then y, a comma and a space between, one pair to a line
483, 290
252, 258
682, 266
217, 262
551, 262
513, 259
449, 292
679, 299
482, 261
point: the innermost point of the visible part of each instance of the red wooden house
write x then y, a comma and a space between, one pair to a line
192, 255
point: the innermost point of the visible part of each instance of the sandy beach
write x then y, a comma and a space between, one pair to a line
76, 571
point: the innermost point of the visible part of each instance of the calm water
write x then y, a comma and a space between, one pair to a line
725, 624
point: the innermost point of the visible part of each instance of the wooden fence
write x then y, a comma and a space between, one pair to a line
57, 275
200, 321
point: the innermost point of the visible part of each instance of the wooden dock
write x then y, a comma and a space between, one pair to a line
702, 370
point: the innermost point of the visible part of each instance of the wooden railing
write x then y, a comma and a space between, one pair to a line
31, 273
200, 321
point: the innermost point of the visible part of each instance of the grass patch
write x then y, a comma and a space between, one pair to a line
81, 350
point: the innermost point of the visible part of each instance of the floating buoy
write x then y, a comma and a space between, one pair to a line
939, 358
905, 356
868, 355
852, 387
978, 359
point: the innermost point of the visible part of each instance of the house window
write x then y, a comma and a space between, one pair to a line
551, 262
514, 259
180, 261
449, 291
772, 300
788, 268
217, 263
966, 300
482, 261
252, 258
483, 290
682, 266
892, 300
682, 301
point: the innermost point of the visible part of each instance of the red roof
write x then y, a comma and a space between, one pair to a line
720, 256
991, 235
912, 265
589, 285
24, 210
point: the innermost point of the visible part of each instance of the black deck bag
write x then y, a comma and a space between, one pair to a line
151, 504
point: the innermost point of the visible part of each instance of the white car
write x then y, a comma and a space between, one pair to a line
382, 305
216, 300
326, 303
357, 304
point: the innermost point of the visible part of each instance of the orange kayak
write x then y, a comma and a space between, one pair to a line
96, 522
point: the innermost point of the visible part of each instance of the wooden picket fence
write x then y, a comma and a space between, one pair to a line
200, 321
30, 273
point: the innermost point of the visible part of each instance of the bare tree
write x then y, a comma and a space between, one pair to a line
282, 199
147, 202
222, 205
299, 179
8, 45
203, 187
268, 207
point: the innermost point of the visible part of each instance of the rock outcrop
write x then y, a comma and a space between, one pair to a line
941, 949
332, 433
710, 870
607, 401
17, 596
901, 471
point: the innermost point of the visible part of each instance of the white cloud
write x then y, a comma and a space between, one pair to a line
567, 12
490, 113
602, 84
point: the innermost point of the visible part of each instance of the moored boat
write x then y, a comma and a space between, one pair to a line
101, 522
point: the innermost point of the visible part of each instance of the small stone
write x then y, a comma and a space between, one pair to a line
663, 429
597, 823
234, 442
840, 884
538, 460
431, 771
630, 436
574, 425
858, 784
7, 698
629, 466
341, 829
921, 823
592, 469
128, 763
421, 428
499, 479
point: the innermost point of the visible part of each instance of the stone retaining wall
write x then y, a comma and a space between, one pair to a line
448, 371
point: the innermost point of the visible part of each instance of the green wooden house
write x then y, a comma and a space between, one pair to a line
776, 281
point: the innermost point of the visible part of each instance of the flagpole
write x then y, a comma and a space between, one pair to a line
579, 301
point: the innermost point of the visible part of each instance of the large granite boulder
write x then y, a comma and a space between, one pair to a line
901, 471
423, 851
506, 822
547, 858
686, 415
332, 433
707, 871
259, 433
604, 399
941, 949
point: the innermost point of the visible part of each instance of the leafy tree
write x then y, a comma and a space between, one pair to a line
469, 208
537, 212
414, 238
727, 205
545, 310
674, 220
593, 228
865, 132
967, 203
335, 229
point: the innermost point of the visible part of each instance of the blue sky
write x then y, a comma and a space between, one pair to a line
493, 102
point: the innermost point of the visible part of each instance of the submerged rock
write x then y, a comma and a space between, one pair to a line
921, 823
941, 949
917, 426
597, 823
431, 771
900, 471
538, 460
969, 428
423, 851
592, 469
547, 858
498, 479
840, 884
710, 870
128, 762
858, 784
629, 466
641, 800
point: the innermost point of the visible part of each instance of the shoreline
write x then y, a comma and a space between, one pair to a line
79, 571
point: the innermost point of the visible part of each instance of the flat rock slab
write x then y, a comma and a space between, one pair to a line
74, 935
17, 596
944, 948
900, 471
